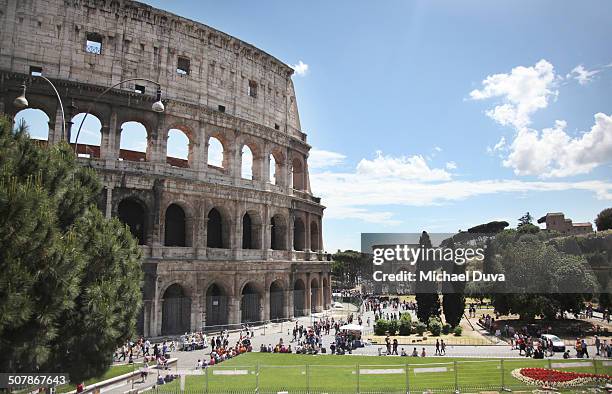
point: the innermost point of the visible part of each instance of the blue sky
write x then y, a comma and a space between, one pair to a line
440, 115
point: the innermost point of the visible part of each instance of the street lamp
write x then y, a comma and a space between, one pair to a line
21, 102
158, 105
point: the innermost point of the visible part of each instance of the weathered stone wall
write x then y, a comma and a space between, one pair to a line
139, 41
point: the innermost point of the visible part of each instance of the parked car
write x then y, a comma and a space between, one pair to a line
338, 305
558, 344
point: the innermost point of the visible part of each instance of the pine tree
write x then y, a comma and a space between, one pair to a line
70, 282
453, 297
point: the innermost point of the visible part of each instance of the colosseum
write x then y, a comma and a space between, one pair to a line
220, 248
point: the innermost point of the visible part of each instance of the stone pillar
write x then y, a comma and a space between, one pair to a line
307, 243
289, 310
233, 306
229, 161
109, 146
290, 231
307, 295
58, 133
265, 160
266, 304
321, 303
157, 308
156, 144
109, 202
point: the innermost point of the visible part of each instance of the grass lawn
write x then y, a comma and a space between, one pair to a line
112, 372
278, 372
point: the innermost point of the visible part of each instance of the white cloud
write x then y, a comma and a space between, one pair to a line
300, 68
523, 91
499, 146
319, 158
554, 153
412, 167
582, 75
438, 149
451, 165
388, 180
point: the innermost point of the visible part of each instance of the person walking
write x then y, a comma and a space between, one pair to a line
438, 347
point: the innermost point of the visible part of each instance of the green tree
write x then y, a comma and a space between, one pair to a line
525, 220
70, 284
350, 267
428, 302
604, 220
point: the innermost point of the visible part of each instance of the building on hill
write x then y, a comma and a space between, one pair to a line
556, 221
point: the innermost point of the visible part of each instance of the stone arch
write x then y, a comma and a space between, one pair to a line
250, 303
179, 146
251, 230
134, 141
217, 306
218, 228
134, 213
315, 301
299, 298
297, 174
278, 232
90, 138
299, 234
218, 144
314, 236
277, 165
277, 300
37, 120
176, 310
177, 225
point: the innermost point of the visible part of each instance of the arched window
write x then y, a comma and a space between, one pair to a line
177, 148
90, 137
36, 121
247, 163
134, 143
175, 226
299, 234
215, 229
215, 152
272, 179
297, 173
314, 236
133, 214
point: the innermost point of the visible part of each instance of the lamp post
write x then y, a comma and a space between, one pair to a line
157, 106
21, 102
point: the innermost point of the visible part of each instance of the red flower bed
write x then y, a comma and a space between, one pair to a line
553, 377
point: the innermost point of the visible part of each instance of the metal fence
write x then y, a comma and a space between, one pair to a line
457, 376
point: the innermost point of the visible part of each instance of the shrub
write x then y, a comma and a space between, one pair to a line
405, 317
392, 327
458, 330
405, 327
420, 328
380, 328
446, 328
435, 326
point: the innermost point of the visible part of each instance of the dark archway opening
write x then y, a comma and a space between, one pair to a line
277, 301
133, 214
314, 295
247, 232
299, 293
175, 226
250, 304
215, 229
176, 311
216, 307
278, 233
299, 234
314, 237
